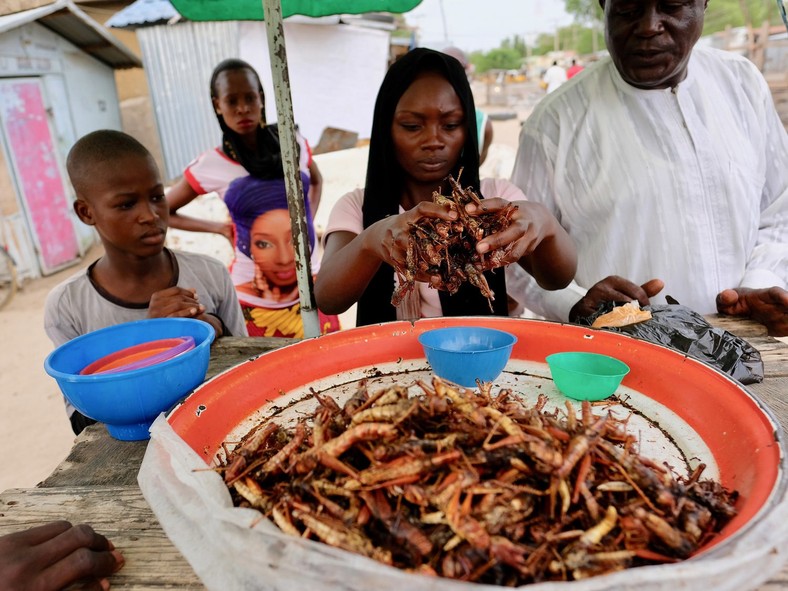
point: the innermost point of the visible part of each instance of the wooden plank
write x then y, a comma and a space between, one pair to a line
773, 392
98, 460
118, 512
741, 327
228, 352
774, 355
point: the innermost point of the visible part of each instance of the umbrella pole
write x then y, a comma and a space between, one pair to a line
293, 185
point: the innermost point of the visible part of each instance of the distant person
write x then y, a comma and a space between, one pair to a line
554, 77
250, 147
270, 300
666, 162
484, 126
56, 555
574, 69
120, 193
421, 134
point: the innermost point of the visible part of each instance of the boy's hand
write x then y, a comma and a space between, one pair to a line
175, 302
54, 555
178, 302
213, 321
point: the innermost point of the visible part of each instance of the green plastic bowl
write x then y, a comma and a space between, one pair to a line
586, 376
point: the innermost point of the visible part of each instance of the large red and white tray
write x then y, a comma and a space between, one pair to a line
682, 410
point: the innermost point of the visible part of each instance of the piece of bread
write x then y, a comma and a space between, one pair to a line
629, 313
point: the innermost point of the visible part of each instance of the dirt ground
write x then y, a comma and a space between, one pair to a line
35, 434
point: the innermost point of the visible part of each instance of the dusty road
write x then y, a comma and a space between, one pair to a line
34, 431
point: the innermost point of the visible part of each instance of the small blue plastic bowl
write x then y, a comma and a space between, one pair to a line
464, 354
129, 401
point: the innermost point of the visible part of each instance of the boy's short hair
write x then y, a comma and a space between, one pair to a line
99, 147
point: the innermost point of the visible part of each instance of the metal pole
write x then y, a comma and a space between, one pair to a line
295, 190
445, 28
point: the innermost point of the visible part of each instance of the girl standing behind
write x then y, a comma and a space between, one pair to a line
423, 130
270, 299
249, 147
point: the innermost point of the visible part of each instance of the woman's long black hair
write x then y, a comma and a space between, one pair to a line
266, 161
385, 184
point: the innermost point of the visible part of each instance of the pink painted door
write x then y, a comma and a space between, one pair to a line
36, 170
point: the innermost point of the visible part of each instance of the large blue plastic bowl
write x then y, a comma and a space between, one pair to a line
464, 354
128, 402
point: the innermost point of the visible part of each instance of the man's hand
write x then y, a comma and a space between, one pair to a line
614, 289
769, 306
55, 555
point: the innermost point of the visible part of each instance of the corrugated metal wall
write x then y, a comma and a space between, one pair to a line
179, 85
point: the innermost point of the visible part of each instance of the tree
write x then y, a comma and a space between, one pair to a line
497, 59
736, 13
517, 43
585, 11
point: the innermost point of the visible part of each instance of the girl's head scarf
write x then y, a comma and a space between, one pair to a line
384, 183
247, 198
266, 161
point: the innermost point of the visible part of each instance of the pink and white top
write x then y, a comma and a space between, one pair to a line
213, 171
346, 216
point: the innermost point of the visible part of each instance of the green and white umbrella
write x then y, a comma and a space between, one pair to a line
253, 10
272, 12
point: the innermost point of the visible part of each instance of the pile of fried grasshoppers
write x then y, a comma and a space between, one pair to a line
448, 249
474, 486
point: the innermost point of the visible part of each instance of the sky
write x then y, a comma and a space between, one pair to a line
482, 24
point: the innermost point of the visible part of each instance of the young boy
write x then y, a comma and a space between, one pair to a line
119, 192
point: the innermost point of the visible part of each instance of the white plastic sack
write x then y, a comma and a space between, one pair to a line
232, 548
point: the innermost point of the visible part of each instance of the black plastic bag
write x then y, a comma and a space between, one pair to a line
684, 330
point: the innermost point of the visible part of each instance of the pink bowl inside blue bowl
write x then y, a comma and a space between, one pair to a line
141, 355
128, 401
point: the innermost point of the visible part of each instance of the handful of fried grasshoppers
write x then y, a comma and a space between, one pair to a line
448, 249
474, 486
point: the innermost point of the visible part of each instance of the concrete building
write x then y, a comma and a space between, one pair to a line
57, 83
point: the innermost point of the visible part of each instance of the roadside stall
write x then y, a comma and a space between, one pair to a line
97, 482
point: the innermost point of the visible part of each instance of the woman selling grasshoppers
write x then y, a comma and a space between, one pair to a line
423, 132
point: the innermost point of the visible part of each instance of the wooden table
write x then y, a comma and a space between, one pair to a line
97, 482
